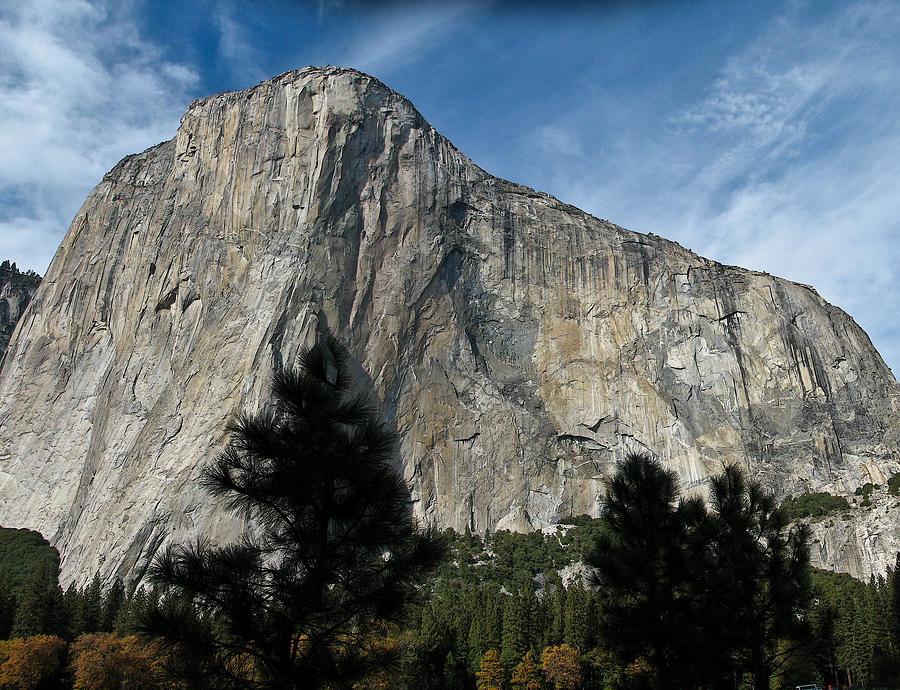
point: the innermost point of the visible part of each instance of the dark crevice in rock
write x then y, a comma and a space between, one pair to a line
167, 301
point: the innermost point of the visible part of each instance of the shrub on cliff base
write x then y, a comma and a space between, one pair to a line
894, 485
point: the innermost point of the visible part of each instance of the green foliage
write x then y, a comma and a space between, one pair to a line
813, 505
24, 553
31, 602
39, 609
894, 485
87, 612
511, 559
853, 621
855, 625
701, 596
7, 607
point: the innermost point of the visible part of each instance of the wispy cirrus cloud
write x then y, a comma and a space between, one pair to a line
398, 35
805, 182
236, 47
81, 88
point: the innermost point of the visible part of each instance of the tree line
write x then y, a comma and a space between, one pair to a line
87, 637
338, 588
10, 272
479, 616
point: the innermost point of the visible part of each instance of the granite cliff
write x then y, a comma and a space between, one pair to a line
16, 291
520, 346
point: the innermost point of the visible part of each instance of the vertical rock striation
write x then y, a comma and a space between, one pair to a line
520, 346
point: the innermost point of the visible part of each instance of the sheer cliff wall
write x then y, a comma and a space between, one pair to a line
519, 345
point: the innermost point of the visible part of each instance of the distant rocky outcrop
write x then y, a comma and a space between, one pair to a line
520, 345
16, 291
861, 541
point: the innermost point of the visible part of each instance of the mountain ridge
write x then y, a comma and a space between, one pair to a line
519, 345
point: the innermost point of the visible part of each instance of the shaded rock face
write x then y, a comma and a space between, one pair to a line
16, 291
519, 345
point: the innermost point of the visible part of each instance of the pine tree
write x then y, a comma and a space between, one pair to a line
454, 672
112, 602
490, 674
338, 550
757, 576
860, 651
91, 609
476, 642
493, 617
557, 603
535, 626
895, 604
432, 626
71, 603
461, 623
40, 609
527, 674
134, 608
512, 644
579, 623
7, 606
644, 565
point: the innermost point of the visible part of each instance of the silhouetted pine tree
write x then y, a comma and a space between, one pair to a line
338, 550
760, 588
644, 564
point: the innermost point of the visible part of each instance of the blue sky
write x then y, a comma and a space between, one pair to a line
762, 134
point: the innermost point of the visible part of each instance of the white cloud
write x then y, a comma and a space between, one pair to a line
80, 89
808, 178
559, 140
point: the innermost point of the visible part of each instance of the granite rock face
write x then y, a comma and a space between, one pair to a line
519, 345
862, 541
16, 291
